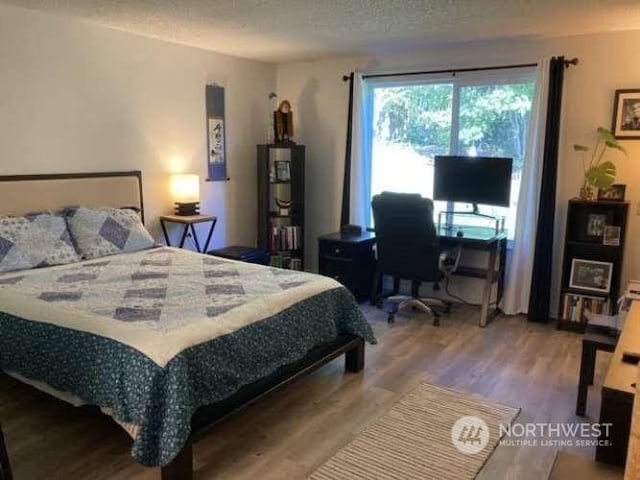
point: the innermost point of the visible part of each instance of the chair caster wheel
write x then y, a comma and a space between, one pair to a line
391, 318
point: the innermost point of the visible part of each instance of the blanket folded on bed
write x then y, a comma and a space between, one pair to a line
153, 335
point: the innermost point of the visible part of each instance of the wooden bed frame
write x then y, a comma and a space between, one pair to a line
5, 467
205, 418
21, 194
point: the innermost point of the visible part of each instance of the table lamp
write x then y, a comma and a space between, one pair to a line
185, 190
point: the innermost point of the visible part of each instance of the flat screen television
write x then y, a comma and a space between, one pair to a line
476, 180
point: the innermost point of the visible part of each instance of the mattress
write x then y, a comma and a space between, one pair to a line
151, 336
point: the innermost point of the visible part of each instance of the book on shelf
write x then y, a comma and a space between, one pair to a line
285, 261
576, 305
285, 238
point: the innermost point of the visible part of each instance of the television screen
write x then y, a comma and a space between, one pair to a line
484, 180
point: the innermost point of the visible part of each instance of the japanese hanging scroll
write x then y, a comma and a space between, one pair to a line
216, 151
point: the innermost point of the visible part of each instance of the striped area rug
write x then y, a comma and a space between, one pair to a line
413, 440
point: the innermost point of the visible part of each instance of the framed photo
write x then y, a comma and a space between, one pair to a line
595, 224
283, 171
611, 236
614, 194
626, 114
591, 275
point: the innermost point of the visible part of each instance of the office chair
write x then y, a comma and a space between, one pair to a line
5, 468
408, 248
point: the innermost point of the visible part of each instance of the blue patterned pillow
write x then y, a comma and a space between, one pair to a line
38, 240
98, 232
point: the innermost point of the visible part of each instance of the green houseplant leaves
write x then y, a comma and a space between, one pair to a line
602, 176
598, 173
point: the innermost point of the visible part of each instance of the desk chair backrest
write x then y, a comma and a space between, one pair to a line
406, 238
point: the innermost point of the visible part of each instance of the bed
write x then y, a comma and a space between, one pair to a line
165, 341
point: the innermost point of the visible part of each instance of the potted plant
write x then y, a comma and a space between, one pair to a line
598, 174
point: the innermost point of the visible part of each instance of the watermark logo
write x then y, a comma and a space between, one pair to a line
470, 435
555, 435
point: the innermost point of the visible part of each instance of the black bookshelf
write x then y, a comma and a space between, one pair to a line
281, 230
593, 252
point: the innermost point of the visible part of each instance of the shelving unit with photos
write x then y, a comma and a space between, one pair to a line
281, 203
592, 261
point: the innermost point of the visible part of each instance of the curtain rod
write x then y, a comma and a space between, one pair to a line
567, 64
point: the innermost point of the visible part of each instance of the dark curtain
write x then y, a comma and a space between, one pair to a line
543, 257
346, 185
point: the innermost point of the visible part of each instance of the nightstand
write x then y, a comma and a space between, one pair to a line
349, 259
188, 222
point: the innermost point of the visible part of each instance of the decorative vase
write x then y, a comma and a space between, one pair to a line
586, 192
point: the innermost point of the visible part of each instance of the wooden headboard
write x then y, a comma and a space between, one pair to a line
21, 194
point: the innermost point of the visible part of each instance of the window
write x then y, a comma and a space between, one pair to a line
486, 113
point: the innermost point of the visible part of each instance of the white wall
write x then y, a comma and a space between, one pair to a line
607, 62
76, 97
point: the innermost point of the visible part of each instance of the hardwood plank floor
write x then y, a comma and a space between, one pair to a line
291, 432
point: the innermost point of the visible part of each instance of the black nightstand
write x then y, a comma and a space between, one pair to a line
350, 259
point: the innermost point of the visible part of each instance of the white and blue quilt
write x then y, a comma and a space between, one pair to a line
153, 335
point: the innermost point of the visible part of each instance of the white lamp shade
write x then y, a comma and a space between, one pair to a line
185, 188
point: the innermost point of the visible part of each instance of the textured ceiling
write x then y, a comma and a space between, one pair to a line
281, 30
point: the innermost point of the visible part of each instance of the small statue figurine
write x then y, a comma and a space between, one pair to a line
283, 123
284, 206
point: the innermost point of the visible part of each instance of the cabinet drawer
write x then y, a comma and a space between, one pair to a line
340, 269
337, 249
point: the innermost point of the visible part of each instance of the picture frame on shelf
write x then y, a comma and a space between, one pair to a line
283, 171
626, 114
615, 193
611, 235
591, 275
595, 225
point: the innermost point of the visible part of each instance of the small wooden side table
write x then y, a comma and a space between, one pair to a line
591, 343
618, 392
188, 222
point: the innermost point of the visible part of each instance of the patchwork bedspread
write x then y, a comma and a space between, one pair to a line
151, 336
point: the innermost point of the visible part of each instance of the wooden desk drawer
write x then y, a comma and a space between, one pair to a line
337, 268
356, 276
339, 249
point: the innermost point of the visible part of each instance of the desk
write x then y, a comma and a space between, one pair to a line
632, 468
618, 392
485, 239
188, 221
